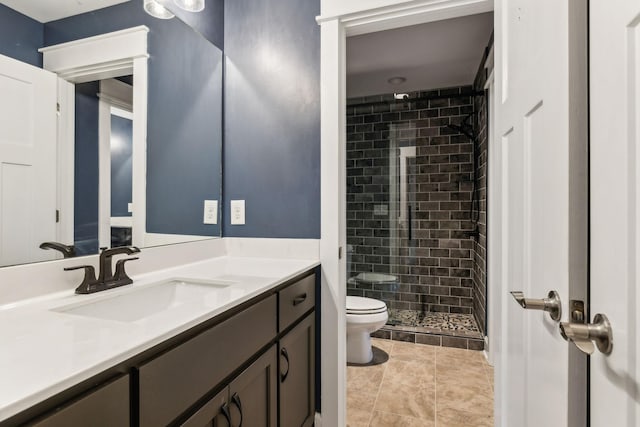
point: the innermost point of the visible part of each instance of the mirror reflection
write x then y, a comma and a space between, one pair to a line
85, 160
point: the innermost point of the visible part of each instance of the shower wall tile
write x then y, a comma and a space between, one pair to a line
436, 266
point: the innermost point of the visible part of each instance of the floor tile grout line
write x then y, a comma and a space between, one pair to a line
435, 386
384, 371
440, 356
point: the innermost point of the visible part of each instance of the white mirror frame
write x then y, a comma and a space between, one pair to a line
97, 58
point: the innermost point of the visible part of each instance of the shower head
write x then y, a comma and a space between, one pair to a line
465, 128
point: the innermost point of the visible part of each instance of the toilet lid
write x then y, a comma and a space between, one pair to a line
375, 278
360, 305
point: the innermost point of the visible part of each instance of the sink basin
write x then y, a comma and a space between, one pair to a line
149, 300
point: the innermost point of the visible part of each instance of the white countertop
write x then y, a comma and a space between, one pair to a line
44, 352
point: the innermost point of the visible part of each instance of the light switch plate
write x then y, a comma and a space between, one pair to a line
237, 212
210, 211
129, 207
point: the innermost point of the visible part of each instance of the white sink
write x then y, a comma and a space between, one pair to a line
149, 300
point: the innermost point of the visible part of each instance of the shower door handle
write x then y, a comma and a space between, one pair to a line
551, 304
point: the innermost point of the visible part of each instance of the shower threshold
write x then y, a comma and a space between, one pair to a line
443, 329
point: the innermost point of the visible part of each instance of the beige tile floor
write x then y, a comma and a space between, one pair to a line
422, 386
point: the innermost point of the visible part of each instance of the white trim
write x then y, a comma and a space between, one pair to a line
105, 56
116, 99
121, 221
66, 161
494, 197
334, 30
104, 174
119, 112
333, 222
407, 14
117, 93
139, 155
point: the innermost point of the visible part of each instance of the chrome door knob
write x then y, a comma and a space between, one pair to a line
551, 304
585, 335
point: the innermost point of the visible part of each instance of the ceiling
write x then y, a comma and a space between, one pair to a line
51, 10
433, 55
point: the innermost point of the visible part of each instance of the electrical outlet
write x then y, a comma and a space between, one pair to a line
210, 211
237, 212
129, 207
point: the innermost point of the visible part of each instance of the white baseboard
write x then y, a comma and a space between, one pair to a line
318, 420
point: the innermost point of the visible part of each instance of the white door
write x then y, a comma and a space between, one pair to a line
27, 162
541, 102
615, 207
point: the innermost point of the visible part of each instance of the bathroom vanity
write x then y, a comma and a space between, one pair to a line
227, 341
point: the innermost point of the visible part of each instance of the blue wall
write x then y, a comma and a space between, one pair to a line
121, 172
184, 132
209, 22
21, 36
86, 169
272, 117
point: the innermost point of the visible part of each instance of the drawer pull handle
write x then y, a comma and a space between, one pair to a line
284, 354
235, 399
299, 299
225, 413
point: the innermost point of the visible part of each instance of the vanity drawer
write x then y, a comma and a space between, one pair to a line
174, 381
107, 406
296, 300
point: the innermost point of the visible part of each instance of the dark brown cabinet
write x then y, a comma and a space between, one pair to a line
106, 406
174, 381
254, 368
296, 376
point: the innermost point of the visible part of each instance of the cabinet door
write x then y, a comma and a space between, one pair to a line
214, 413
253, 394
297, 375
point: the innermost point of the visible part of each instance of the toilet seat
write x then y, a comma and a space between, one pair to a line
364, 306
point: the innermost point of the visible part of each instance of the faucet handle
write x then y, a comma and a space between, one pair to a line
121, 274
89, 278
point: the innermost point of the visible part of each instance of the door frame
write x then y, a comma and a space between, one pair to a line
113, 95
101, 57
335, 28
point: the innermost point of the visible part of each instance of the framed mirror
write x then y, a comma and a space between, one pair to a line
102, 152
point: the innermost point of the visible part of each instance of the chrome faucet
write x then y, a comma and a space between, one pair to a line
106, 279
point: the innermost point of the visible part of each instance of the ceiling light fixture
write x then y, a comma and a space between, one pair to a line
190, 5
155, 9
397, 80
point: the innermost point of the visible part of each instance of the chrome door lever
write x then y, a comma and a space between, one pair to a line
584, 335
551, 305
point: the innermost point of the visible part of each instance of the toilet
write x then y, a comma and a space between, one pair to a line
364, 316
